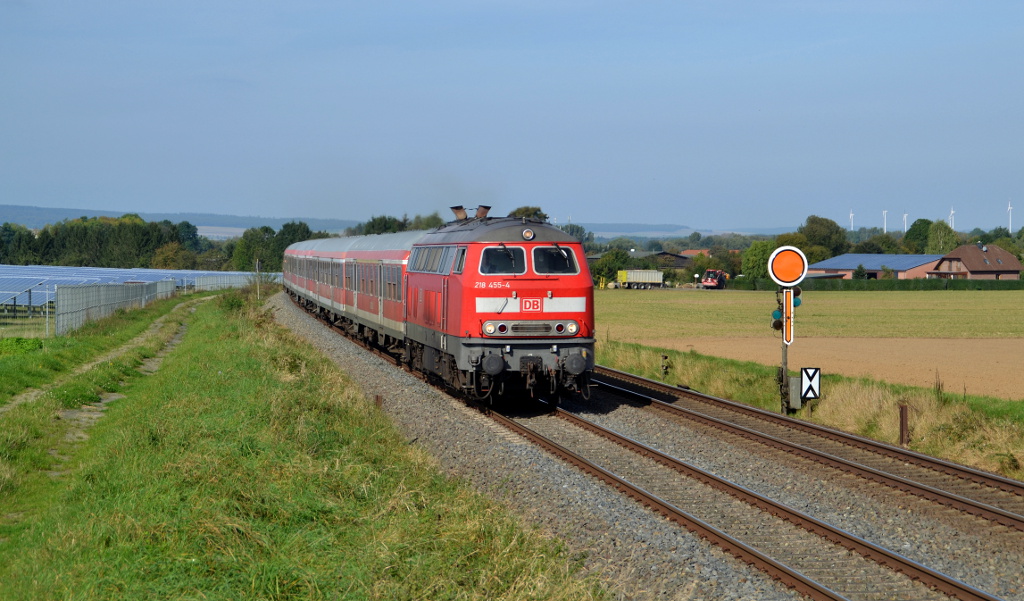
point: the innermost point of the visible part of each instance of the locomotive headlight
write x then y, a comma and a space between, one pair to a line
488, 328
573, 327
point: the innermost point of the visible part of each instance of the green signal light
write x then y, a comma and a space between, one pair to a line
797, 302
776, 314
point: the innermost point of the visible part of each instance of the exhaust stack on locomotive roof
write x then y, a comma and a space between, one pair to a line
461, 215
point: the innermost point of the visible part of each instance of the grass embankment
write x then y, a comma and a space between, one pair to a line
248, 467
980, 431
21, 370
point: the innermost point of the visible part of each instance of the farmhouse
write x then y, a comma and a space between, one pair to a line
977, 262
903, 267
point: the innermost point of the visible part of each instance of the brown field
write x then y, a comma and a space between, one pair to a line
971, 341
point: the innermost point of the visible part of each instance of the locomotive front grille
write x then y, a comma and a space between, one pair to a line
527, 329
531, 328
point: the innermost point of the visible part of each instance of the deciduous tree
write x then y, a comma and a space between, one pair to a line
529, 213
916, 238
941, 238
755, 259
821, 231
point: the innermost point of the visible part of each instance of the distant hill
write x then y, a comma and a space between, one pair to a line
223, 226
667, 230
37, 217
638, 230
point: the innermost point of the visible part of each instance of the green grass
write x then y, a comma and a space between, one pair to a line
742, 313
41, 326
248, 467
742, 381
63, 354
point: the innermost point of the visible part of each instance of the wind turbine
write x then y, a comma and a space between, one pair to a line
851, 220
1009, 211
904, 222
951, 211
883, 222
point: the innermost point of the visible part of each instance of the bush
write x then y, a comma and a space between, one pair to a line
232, 301
19, 346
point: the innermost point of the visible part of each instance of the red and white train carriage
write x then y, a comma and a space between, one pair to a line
488, 304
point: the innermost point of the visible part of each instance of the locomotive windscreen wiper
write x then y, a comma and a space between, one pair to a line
511, 257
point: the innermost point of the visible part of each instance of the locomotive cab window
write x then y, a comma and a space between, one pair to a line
503, 260
460, 260
557, 260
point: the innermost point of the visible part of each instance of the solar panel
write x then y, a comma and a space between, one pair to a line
12, 284
17, 280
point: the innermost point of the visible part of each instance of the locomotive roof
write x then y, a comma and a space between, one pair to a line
399, 241
500, 229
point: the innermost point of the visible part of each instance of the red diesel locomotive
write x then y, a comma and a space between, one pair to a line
489, 305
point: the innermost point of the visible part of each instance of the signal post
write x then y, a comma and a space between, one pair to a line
787, 267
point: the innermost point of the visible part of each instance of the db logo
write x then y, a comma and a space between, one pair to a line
531, 305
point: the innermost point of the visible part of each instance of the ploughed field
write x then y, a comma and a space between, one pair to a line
969, 340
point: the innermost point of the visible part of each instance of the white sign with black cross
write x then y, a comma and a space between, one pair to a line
810, 383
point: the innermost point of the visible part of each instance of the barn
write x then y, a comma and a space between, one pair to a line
903, 267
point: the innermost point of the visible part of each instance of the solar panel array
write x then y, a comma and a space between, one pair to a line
35, 284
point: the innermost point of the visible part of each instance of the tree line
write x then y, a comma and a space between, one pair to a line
819, 238
128, 242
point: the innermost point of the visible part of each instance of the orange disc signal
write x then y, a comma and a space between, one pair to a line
787, 266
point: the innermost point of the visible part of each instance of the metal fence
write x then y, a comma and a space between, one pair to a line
219, 282
36, 305
77, 305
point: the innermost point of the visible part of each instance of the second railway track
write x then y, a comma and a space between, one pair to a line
819, 560
990, 496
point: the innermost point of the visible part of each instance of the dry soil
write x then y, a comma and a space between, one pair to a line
990, 367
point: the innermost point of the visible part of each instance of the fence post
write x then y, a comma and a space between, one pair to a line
904, 425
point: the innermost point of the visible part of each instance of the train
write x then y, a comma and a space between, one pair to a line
492, 306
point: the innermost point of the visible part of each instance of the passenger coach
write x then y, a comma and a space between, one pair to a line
490, 305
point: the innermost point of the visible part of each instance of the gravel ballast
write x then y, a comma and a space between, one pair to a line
638, 554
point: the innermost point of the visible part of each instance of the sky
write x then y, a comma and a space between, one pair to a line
719, 115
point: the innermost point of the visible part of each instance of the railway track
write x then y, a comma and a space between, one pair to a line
811, 556
989, 496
